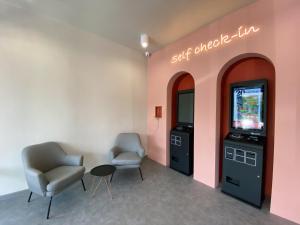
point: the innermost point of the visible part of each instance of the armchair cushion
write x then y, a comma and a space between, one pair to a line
61, 177
127, 158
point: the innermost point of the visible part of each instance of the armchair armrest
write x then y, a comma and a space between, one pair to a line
73, 160
114, 152
36, 180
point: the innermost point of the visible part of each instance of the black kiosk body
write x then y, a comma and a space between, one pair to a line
182, 136
244, 146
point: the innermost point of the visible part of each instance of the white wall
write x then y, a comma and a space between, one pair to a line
61, 84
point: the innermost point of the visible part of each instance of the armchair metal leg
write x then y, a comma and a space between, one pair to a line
83, 184
141, 173
29, 197
49, 207
111, 177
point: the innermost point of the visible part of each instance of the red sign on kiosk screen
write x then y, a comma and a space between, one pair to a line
248, 106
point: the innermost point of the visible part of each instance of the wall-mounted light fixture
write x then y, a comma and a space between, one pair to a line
144, 40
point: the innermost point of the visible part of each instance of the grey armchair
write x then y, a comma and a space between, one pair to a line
49, 170
128, 152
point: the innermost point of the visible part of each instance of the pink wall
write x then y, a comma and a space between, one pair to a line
278, 38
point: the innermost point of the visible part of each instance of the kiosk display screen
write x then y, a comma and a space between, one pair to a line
248, 108
185, 108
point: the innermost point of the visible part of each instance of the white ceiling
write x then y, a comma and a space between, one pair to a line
123, 21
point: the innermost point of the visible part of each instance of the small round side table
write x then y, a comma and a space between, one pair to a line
102, 172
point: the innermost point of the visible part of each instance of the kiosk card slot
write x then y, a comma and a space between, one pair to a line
232, 181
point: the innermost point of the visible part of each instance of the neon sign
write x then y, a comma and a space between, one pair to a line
222, 40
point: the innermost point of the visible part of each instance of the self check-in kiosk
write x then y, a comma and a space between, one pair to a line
182, 136
244, 146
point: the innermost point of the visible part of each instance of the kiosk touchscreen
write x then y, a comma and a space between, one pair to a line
248, 107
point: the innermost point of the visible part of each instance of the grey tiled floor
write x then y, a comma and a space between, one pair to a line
165, 197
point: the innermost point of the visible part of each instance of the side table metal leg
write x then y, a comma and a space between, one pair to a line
97, 186
93, 184
108, 189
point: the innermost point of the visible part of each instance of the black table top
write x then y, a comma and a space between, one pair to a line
103, 170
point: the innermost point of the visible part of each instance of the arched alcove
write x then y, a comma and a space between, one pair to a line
242, 68
179, 82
